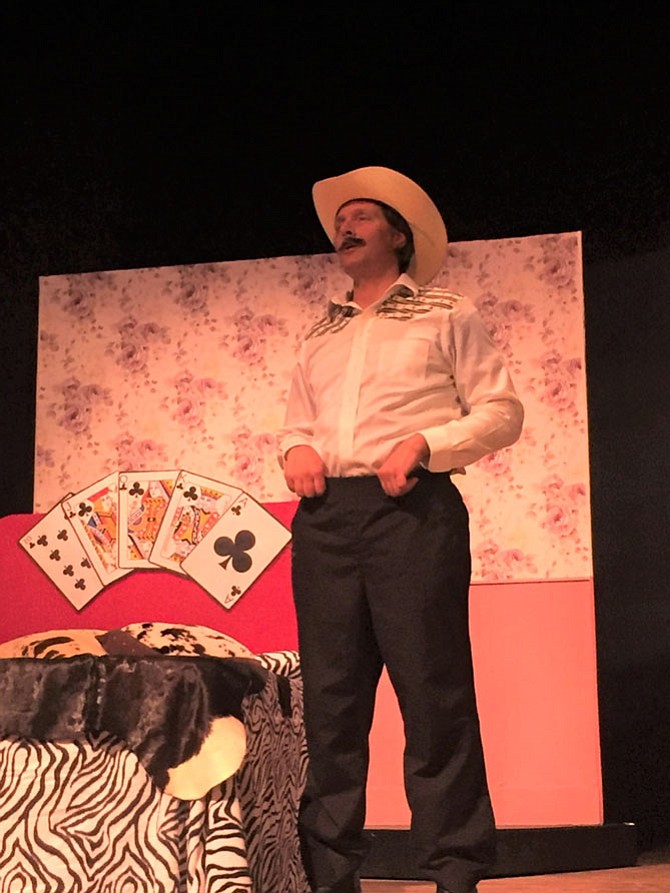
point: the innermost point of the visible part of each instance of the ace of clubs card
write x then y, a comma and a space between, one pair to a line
236, 550
55, 548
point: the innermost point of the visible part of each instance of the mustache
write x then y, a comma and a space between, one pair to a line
349, 241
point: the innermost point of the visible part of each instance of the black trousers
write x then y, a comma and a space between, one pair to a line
380, 580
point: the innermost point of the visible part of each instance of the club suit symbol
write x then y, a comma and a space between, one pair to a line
136, 490
236, 551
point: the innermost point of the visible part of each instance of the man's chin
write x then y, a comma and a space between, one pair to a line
348, 257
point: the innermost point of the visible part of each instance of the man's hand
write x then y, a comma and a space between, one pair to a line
304, 471
404, 457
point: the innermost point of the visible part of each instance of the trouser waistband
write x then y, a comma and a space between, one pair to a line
371, 480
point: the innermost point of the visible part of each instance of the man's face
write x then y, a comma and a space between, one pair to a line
364, 240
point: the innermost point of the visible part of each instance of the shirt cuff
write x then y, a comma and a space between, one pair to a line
441, 458
287, 443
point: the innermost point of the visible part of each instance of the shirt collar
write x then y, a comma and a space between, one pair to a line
346, 306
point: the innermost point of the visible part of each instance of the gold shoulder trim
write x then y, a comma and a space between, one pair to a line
401, 306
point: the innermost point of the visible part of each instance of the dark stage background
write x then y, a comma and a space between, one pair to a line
130, 140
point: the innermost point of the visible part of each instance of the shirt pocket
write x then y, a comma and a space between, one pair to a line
404, 360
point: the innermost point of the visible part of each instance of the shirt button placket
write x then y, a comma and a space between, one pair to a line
351, 388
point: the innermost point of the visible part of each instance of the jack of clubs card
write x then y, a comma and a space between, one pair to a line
195, 506
94, 515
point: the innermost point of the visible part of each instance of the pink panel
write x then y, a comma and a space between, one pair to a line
534, 649
535, 660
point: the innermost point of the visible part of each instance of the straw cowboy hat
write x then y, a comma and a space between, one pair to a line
401, 193
219, 757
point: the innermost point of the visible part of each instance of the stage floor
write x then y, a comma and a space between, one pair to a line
640, 879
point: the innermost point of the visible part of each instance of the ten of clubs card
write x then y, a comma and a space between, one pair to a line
236, 550
54, 546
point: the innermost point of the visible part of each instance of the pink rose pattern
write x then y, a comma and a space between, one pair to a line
132, 349
498, 565
503, 319
188, 367
75, 404
188, 399
138, 455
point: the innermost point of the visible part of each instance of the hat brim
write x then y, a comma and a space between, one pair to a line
219, 757
408, 198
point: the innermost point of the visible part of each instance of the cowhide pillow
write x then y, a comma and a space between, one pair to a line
184, 639
55, 643
134, 639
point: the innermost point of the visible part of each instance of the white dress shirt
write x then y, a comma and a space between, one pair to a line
419, 360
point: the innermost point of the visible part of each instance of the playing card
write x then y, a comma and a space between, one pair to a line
55, 548
236, 550
93, 513
195, 506
143, 500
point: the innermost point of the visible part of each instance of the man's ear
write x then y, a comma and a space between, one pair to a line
399, 239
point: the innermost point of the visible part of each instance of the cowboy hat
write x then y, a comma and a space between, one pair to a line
220, 756
402, 194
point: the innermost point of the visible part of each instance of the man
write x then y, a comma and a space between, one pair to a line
395, 389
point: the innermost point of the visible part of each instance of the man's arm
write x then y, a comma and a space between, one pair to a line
304, 469
492, 412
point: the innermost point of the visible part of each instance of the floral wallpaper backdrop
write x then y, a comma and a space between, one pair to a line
188, 367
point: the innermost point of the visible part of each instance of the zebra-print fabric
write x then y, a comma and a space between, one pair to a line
86, 817
81, 816
271, 779
283, 663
